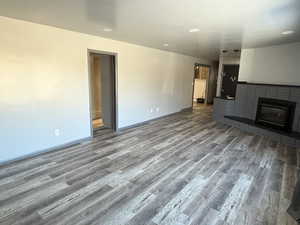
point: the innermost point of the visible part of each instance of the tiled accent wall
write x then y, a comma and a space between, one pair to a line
247, 97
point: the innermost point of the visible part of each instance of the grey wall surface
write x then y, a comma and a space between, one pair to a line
223, 107
107, 91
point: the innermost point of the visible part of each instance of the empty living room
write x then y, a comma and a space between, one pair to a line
162, 112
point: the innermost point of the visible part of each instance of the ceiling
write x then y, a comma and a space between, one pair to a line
222, 24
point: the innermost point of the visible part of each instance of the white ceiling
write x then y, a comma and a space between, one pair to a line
222, 24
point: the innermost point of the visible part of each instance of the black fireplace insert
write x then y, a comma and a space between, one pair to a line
275, 113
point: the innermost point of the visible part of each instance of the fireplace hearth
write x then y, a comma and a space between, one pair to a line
273, 117
275, 113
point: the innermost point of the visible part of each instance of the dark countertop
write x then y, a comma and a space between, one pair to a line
232, 99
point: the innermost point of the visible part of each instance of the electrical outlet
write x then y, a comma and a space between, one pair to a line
57, 132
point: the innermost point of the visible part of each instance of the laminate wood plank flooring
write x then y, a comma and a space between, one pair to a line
183, 169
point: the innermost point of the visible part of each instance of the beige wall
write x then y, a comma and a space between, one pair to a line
44, 85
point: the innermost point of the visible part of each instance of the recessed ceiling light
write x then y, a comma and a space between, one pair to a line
166, 44
287, 32
194, 30
107, 29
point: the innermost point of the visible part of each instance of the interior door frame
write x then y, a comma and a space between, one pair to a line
114, 115
207, 82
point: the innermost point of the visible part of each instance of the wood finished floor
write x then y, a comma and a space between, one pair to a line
183, 169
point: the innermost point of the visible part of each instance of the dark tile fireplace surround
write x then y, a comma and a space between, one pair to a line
275, 113
265, 109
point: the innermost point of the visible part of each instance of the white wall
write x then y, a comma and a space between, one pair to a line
225, 60
44, 85
275, 64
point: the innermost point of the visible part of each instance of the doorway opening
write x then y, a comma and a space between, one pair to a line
102, 77
201, 84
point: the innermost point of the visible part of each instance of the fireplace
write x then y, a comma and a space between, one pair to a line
275, 113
